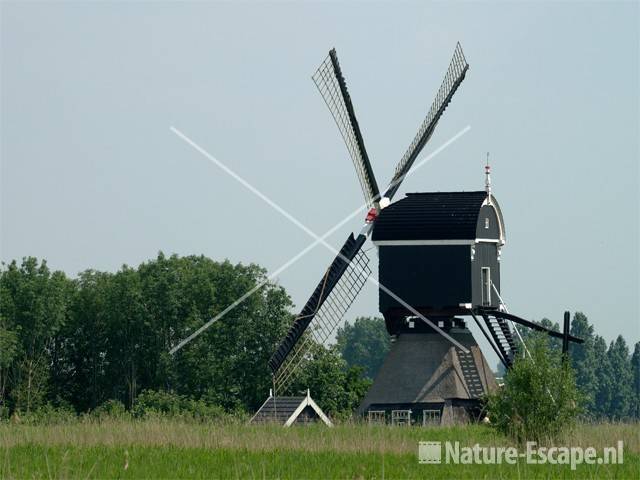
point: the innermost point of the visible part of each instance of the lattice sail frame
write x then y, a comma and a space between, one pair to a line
326, 320
453, 78
331, 85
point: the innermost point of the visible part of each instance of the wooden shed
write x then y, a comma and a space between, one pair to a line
287, 411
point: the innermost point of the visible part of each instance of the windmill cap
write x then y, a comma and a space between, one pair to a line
438, 216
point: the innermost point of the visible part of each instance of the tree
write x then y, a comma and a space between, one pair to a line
128, 328
337, 387
530, 335
8, 343
621, 385
603, 374
583, 359
227, 363
87, 339
635, 369
539, 399
365, 344
34, 308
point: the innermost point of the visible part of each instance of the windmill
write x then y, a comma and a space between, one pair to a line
439, 260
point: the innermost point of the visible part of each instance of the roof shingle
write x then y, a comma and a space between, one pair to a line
277, 409
430, 216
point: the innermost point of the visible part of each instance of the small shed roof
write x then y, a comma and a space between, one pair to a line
432, 216
285, 410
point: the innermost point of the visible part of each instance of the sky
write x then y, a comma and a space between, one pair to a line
92, 176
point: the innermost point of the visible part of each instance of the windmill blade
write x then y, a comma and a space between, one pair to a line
326, 320
334, 294
322, 291
333, 88
452, 80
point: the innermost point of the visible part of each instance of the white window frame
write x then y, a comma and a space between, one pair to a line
376, 416
431, 417
401, 418
485, 286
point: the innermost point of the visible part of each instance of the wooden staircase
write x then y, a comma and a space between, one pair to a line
470, 373
502, 336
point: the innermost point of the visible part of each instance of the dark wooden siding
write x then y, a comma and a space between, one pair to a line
494, 228
430, 276
486, 256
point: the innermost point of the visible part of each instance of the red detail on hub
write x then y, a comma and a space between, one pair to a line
371, 215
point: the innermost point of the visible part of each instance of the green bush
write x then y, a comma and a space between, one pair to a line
47, 414
151, 403
539, 400
110, 409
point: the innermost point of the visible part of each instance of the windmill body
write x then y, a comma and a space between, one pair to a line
439, 252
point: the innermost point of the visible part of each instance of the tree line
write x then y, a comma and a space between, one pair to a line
607, 376
102, 337
80, 343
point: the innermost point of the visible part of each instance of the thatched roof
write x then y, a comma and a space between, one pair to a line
426, 367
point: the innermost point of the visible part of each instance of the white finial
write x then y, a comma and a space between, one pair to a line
271, 392
308, 393
487, 183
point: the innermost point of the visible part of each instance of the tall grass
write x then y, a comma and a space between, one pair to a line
348, 437
164, 448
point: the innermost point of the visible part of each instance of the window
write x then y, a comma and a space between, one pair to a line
486, 222
430, 417
376, 416
401, 417
486, 286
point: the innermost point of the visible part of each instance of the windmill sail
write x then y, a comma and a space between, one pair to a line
348, 272
333, 88
452, 80
334, 294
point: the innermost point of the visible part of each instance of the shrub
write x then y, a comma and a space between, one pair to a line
47, 414
151, 403
110, 409
539, 400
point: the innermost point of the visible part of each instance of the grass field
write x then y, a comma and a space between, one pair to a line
173, 449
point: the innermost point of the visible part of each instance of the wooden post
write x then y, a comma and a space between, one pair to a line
565, 334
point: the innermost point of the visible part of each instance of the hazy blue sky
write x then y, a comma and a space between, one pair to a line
92, 177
